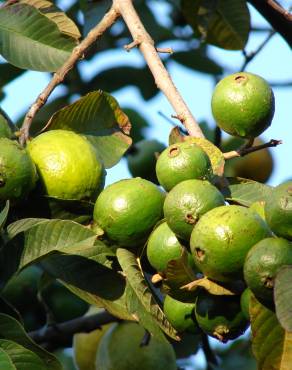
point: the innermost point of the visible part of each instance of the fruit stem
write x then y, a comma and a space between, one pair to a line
247, 150
162, 78
209, 354
78, 53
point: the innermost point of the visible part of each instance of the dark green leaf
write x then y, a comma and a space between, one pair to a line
5, 361
245, 191
93, 13
11, 330
4, 214
19, 357
118, 77
8, 73
99, 117
8, 309
224, 23
30, 40
283, 297
138, 122
197, 60
141, 289
271, 344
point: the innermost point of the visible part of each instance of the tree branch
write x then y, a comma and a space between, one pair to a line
77, 53
161, 76
279, 18
247, 150
61, 334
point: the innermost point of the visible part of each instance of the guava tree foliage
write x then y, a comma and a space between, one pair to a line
55, 260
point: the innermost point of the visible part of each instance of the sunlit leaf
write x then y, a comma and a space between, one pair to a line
283, 297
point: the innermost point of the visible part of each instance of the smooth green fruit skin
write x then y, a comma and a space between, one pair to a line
243, 104
182, 161
180, 315
222, 238
259, 208
5, 130
220, 316
244, 302
128, 210
120, 349
67, 164
162, 247
142, 159
262, 263
17, 172
278, 210
187, 202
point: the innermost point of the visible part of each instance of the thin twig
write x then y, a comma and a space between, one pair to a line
210, 356
244, 151
249, 57
161, 76
66, 330
77, 53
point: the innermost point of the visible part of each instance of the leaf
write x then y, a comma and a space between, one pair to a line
175, 136
283, 297
64, 23
19, 358
5, 361
198, 61
245, 192
118, 77
99, 117
177, 274
215, 154
30, 40
211, 286
4, 214
91, 281
93, 13
271, 344
44, 238
10, 329
8, 73
224, 23
139, 286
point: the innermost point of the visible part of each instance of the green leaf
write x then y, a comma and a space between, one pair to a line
177, 274
4, 214
271, 344
245, 192
92, 281
141, 289
64, 24
224, 23
5, 361
20, 357
118, 77
8, 73
99, 117
29, 40
211, 286
93, 13
45, 237
198, 61
283, 297
11, 330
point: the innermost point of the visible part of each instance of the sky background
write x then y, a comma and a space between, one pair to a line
274, 63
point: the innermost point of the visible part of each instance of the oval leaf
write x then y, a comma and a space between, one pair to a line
283, 297
10, 329
271, 344
245, 192
64, 24
99, 117
224, 23
140, 287
29, 40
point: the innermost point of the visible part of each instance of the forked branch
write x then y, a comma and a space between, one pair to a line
77, 53
247, 150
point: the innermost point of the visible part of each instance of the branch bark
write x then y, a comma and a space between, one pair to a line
62, 334
279, 18
247, 150
77, 53
162, 78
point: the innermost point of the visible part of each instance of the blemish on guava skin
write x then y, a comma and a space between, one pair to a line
174, 151
2, 182
269, 283
200, 254
190, 219
240, 79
